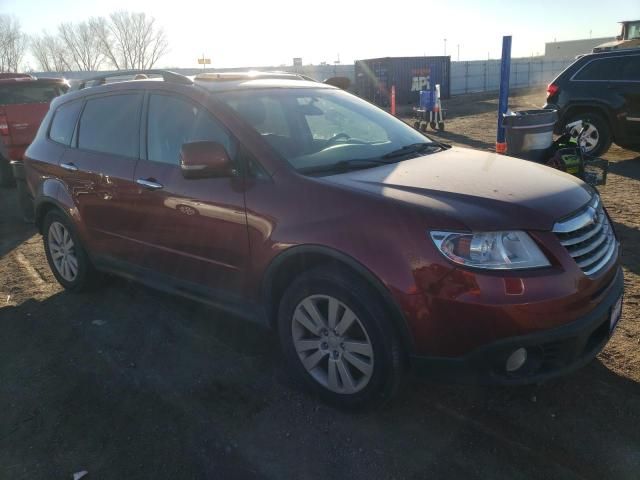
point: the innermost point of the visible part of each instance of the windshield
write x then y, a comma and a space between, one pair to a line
315, 129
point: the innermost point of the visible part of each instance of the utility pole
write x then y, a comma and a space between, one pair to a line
445, 47
458, 52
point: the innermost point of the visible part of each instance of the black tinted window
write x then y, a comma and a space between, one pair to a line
111, 125
631, 69
19, 93
173, 121
64, 121
615, 68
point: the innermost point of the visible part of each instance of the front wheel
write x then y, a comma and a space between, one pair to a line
337, 339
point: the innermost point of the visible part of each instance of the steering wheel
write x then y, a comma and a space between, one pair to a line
335, 138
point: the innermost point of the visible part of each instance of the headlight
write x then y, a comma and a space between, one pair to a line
491, 250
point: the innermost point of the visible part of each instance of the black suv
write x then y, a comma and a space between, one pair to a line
604, 90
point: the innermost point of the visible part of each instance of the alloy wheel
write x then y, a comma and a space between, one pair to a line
62, 251
589, 139
332, 344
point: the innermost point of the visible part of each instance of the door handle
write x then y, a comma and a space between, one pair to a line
69, 166
149, 183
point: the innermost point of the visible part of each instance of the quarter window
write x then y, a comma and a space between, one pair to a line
111, 125
173, 122
64, 122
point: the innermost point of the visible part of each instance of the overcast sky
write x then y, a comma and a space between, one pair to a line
255, 33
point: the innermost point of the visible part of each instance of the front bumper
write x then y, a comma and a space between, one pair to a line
551, 353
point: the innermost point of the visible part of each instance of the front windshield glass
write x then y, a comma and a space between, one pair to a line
314, 129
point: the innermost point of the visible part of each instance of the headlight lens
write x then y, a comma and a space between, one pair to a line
504, 250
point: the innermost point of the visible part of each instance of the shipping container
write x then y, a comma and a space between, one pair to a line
409, 75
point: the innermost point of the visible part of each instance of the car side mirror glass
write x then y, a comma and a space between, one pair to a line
205, 160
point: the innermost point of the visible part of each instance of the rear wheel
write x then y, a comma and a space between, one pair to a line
597, 138
67, 258
337, 339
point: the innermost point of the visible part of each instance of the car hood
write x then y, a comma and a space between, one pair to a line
482, 190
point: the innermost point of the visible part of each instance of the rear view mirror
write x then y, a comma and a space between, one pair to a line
205, 160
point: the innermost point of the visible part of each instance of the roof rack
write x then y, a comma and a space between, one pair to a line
247, 75
167, 76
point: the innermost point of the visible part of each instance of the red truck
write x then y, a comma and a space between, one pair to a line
24, 101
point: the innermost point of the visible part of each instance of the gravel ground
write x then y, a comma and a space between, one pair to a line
129, 383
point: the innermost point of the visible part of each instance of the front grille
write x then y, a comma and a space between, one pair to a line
588, 237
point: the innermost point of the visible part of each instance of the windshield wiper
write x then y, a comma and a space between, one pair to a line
416, 148
345, 165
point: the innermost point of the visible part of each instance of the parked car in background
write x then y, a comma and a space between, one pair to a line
602, 89
24, 101
366, 245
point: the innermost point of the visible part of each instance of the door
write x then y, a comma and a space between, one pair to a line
193, 230
98, 170
628, 87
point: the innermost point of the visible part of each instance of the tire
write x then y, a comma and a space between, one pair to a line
432, 125
85, 276
599, 141
416, 125
441, 126
365, 357
6, 175
423, 127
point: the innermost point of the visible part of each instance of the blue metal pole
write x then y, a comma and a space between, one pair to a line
503, 104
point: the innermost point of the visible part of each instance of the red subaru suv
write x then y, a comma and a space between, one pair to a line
368, 246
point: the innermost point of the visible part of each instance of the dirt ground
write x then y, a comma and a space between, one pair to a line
128, 383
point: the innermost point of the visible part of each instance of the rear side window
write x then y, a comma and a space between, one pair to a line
64, 122
173, 121
111, 125
20, 93
611, 69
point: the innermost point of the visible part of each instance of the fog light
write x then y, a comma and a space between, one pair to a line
516, 359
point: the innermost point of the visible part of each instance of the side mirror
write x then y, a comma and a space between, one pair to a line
205, 160
340, 82
618, 37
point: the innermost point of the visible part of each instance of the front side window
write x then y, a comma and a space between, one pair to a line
317, 128
111, 125
173, 121
64, 122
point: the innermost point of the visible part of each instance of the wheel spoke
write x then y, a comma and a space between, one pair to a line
313, 312
312, 360
345, 376
345, 322
332, 375
303, 319
73, 266
306, 345
55, 233
55, 252
333, 312
361, 365
363, 348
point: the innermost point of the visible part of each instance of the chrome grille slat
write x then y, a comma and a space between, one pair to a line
597, 256
583, 237
595, 242
588, 237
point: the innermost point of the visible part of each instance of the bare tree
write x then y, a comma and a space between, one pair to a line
12, 44
131, 40
83, 46
50, 53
